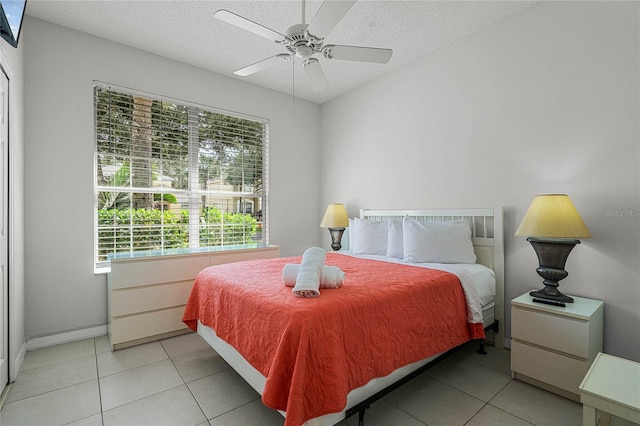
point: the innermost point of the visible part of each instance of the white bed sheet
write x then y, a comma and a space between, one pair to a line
482, 279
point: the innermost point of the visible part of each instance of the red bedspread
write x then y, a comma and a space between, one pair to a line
313, 351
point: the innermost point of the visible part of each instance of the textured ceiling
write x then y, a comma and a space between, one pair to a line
186, 31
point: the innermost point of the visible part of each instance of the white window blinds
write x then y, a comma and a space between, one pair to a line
171, 175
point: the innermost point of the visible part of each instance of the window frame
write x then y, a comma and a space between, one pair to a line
195, 192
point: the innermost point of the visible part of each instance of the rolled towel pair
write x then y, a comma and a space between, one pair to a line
332, 276
308, 279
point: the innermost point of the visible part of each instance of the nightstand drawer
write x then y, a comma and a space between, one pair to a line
561, 334
549, 367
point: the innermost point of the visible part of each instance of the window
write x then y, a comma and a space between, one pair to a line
173, 175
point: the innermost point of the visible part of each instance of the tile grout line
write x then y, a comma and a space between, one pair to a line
95, 348
49, 391
463, 391
475, 414
235, 408
185, 383
196, 399
63, 387
399, 409
504, 411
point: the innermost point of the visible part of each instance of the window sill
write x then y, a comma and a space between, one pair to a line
102, 270
99, 270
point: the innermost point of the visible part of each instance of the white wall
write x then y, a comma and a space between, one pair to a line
544, 102
11, 60
62, 292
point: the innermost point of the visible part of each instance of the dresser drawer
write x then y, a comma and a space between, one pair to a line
126, 274
557, 370
129, 328
562, 334
149, 298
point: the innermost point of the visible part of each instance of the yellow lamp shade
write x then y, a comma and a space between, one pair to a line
552, 216
335, 217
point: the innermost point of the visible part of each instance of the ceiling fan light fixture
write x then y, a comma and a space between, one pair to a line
303, 52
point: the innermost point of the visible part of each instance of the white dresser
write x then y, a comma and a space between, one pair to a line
147, 294
552, 347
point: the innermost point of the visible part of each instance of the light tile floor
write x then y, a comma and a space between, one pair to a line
182, 381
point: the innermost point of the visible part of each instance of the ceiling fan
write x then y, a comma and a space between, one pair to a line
306, 40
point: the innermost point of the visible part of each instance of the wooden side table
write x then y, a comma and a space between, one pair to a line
612, 385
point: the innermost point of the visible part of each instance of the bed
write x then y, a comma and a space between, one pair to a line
323, 359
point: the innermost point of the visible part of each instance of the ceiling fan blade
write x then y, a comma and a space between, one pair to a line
259, 66
328, 16
315, 74
356, 53
245, 24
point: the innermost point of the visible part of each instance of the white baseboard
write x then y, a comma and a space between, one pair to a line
3, 396
17, 363
70, 336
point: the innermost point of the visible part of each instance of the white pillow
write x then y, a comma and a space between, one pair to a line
394, 241
437, 242
368, 236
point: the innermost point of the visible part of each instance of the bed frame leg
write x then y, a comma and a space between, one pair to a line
361, 416
495, 326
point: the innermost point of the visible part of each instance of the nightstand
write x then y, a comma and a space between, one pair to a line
552, 347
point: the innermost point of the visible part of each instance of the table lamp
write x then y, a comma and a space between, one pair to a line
336, 219
553, 226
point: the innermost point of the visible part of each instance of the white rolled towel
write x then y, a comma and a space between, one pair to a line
308, 279
332, 276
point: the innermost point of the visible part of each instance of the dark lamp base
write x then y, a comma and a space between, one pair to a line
552, 256
551, 293
336, 238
